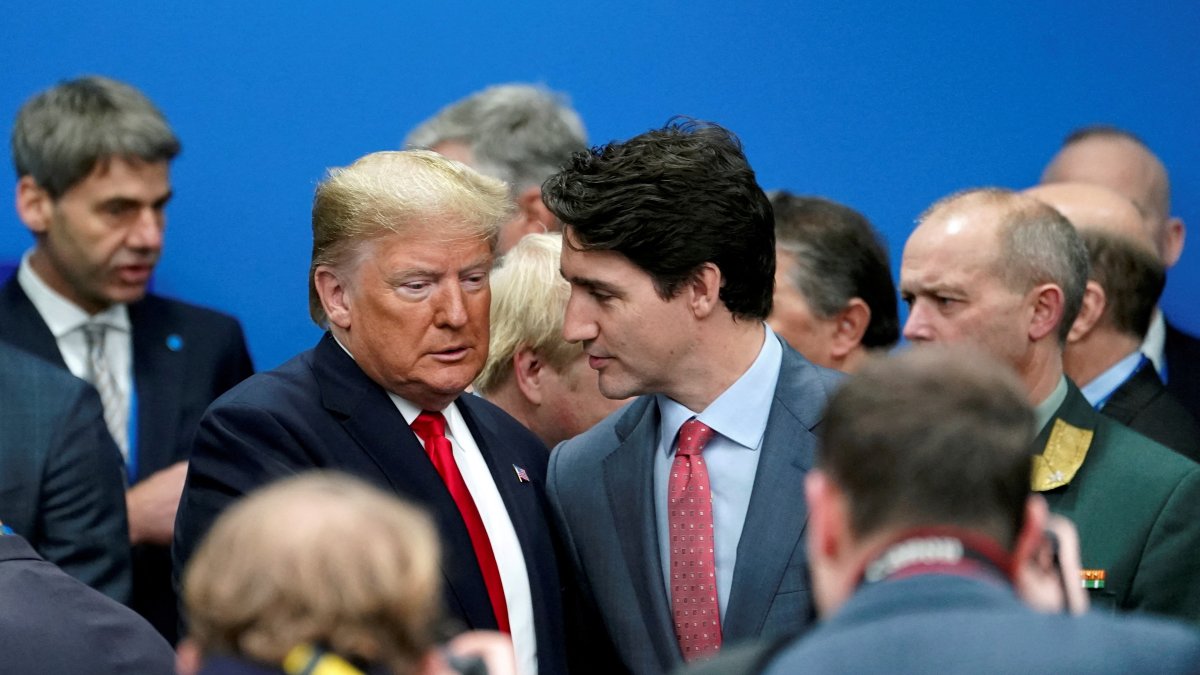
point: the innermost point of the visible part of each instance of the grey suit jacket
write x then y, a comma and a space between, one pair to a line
50, 624
61, 486
601, 489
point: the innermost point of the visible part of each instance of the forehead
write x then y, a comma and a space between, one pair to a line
114, 176
427, 246
949, 247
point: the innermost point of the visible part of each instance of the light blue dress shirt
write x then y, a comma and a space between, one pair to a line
1102, 387
739, 416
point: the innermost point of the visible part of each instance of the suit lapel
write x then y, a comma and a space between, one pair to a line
158, 374
633, 514
777, 513
391, 450
1134, 394
24, 328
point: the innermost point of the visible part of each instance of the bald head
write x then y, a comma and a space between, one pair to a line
1119, 161
998, 271
1096, 208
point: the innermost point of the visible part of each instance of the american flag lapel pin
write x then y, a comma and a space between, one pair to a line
522, 475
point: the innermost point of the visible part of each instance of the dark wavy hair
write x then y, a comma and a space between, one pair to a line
670, 200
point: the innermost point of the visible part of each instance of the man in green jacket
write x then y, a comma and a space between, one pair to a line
1006, 273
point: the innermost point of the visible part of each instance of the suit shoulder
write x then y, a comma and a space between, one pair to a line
583, 452
22, 371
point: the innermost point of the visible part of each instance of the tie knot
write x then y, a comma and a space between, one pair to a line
93, 332
429, 424
694, 436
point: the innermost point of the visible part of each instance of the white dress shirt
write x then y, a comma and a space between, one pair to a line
65, 320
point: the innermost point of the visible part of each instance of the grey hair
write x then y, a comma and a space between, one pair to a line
62, 133
519, 133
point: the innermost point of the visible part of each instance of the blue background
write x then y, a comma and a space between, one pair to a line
883, 107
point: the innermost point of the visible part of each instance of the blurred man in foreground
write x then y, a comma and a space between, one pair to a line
921, 514
321, 574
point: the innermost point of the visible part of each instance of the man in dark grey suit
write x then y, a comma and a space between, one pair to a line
93, 180
922, 527
51, 624
1102, 355
669, 248
1119, 160
60, 473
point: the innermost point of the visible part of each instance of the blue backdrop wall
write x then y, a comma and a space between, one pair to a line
884, 107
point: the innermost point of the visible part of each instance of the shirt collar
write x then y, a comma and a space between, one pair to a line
60, 314
1045, 410
740, 412
1100, 388
1156, 340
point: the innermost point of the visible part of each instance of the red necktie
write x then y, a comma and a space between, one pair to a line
431, 427
693, 570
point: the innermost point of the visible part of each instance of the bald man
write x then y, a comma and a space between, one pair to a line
1005, 273
1119, 160
1126, 277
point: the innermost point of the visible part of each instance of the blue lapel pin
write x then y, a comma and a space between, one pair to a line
174, 342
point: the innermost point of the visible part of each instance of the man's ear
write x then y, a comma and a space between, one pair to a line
529, 370
705, 289
1094, 302
850, 326
1032, 532
34, 205
1047, 311
534, 214
826, 515
1172, 243
335, 296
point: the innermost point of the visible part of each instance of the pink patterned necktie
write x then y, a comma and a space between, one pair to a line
693, 571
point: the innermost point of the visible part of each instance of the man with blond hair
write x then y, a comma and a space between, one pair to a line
532, 372
267, 585
403, 244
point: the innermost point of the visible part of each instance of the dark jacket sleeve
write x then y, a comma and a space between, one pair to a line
82, 524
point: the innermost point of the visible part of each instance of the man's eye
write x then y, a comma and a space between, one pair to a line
907, 300
599, 296
416, 286
475, 280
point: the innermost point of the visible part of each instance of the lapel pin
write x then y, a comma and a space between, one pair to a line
174, 342
1092, 578
522, 475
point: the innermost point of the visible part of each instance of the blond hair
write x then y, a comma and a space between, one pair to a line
395, 193
321, 559
529, 297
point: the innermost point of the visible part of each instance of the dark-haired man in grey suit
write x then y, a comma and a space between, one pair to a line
681, 513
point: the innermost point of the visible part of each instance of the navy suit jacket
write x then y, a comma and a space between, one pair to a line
51, 624
320, 410
61, 486
1143, 404
184, 357
1183, 368
950, 624
601, 489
